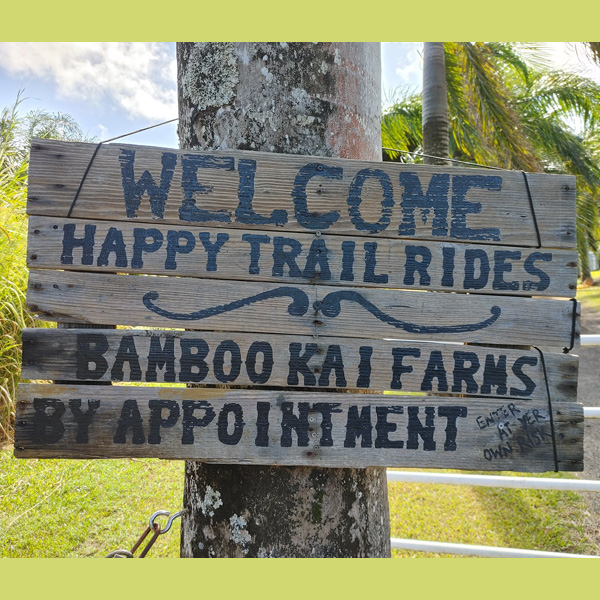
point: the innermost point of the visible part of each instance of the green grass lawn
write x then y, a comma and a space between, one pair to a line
76, 508
532, 519
590, 296
73, 508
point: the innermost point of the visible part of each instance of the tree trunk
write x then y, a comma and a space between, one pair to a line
298, 98
435, 104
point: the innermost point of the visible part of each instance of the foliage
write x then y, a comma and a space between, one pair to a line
594, 50
508, 109
401, 126
15, 135
13, 316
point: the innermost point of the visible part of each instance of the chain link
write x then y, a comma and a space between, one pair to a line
152, 527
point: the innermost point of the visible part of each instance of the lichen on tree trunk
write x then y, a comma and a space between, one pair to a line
319, 99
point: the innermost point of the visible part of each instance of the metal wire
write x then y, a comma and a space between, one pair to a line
118, 137
456, 160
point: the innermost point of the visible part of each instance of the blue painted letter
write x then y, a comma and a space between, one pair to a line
133, 191
355, 199
189, 181
305, 174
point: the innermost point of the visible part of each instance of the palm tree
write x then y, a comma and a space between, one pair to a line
515, 113
435, 104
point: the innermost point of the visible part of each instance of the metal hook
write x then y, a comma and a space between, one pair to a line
166, 513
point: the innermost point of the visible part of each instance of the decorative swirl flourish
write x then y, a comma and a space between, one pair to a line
330, 306
297, 308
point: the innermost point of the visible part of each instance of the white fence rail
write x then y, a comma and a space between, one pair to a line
534, 483
591, 412
483, 551
504, 481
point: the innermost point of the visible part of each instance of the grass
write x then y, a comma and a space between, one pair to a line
13, 316
532, 519
71, 508
590, 296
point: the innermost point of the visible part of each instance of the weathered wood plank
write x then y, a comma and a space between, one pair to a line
302, 309
160, 249
295, 361
298, 193
294, 428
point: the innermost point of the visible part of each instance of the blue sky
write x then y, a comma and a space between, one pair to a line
112, 88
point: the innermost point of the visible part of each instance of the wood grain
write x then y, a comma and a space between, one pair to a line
491, 200
304, 310
293, 428
160, 249
276, 360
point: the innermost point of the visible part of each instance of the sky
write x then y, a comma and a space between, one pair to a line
112, 88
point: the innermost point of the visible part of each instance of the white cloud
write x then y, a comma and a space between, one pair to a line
401, 66
103, 131
138, 77
402, 63
409, 70
573, 57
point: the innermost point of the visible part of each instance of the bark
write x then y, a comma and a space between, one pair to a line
318, 99
435, 104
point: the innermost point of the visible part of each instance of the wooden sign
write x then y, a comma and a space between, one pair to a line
296, 361
250, 255
299, 272
300, 309
287, 428
286, 193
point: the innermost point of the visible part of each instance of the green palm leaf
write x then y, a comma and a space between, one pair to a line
508, 108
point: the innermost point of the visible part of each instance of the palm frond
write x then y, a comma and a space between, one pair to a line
594, 50
492, 101
466, 141
401, 126
567, 94
562, 150
508, 59
588, 225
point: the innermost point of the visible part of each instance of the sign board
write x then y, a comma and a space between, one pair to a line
286, 193
294, 428
298, 272
299, 309
295, 362
208, 252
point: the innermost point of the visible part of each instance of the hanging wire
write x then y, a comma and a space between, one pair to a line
118, 137
456, 160
550, 410
532, 207
139, 130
